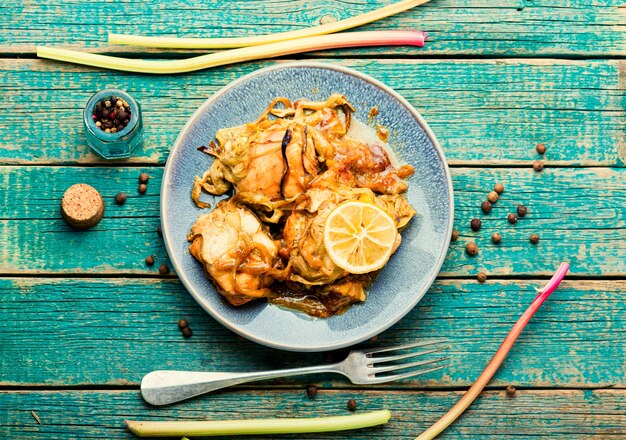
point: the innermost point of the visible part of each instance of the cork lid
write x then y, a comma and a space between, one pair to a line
82, 206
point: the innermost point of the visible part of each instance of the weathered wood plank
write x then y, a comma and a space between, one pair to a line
496, 27
483, 112
67, 332
580, 215
562, 414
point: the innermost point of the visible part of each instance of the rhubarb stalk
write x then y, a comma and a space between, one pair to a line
229, 43
207, 428
496, 361
323, 42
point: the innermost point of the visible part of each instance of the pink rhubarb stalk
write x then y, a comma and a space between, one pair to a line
322, 42
497, 359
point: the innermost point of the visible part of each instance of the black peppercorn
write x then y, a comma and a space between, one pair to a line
160, 231
183, 324
521, 210
352, 405
499, 188
541, 148
534, 238
486, 207
538, 165
481, 277
149, 260
105, 114
512, 218
163, 269
311, 391
144, 177
455, 235
121, 115
120, 198
471, 249
187, 332
142, 188
496, 237
492, 197
475, 224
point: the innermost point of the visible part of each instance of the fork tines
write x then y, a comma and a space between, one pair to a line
375, 370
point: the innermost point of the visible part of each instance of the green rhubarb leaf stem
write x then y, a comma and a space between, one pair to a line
256, 426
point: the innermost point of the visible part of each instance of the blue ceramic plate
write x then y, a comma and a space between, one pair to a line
405, 278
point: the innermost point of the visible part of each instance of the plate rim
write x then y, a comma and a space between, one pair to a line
174, 258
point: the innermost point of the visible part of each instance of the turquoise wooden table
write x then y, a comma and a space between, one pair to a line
82, 318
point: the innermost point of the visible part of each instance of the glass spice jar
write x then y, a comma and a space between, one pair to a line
116, 145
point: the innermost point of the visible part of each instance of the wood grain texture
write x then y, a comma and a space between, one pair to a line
559, 414
68, 332
459, 27
483, 112
580, 215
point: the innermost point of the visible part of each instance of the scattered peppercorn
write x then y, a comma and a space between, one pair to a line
144, 177
352, 405
481, 277
160, 231
183, 324
538, 165
541, 148
163, 269
120, 198
471, 248
512, 218
475, 224
510, 391
142, 188
534, 238
311, 391
486, 207
111, 115
150, 260
521, 210
499, 188
492, 197
455, 235
187, 332
496, 238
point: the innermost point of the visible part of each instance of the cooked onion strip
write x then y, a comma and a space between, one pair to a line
229, 43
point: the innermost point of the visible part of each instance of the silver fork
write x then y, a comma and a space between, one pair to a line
361, 367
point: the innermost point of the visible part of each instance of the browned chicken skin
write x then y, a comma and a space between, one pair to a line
291, 167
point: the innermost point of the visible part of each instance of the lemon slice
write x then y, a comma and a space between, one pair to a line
359, 237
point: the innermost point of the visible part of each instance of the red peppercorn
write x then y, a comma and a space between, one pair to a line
541, 148
142, 188
481, 277
538, 165
512, 218
149, 260
352, 405
163, 269
475, 224
120, 198
521, 210
183, 324
187, 332
486, 207
311, 391
534, 238
510, 391
144, 177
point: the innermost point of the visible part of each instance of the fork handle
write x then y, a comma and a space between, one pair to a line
167, 386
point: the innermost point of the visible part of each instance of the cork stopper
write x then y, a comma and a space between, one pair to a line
82, 206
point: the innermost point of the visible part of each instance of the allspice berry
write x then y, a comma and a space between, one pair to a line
510, 391
455, 235
352, 405
471, 248
541, 148
492, 197
481, 277
496, 238
120, 198
534, 238
512, 218
475, 224
521, 210
144, 177
499, 188
82, 206
538, 165
311, 391
163, 269
486, 207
